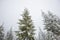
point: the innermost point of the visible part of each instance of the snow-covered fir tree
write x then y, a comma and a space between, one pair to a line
52, 23
50, 36
1, 32
9, 35
41, 35
26, 27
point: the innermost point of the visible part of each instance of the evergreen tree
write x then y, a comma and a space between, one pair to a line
50, 36
26, 27
52, 23
1, 32
9, 35
41, 35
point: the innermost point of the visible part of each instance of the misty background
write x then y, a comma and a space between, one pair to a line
11, 10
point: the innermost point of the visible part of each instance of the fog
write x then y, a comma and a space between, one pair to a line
11, 10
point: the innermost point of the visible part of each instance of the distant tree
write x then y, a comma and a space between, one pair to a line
52, 23
26, 27
1, 32
9, 35
41, 35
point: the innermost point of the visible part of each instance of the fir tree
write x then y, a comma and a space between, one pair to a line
26, 27
52, 24
50, 36
41, 35
9, 35
1, 32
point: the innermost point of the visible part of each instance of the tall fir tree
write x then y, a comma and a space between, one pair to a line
1, 32
26, 27
9, 35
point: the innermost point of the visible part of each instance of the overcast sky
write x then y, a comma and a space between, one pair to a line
11, 10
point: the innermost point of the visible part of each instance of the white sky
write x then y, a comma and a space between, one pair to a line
10, 10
